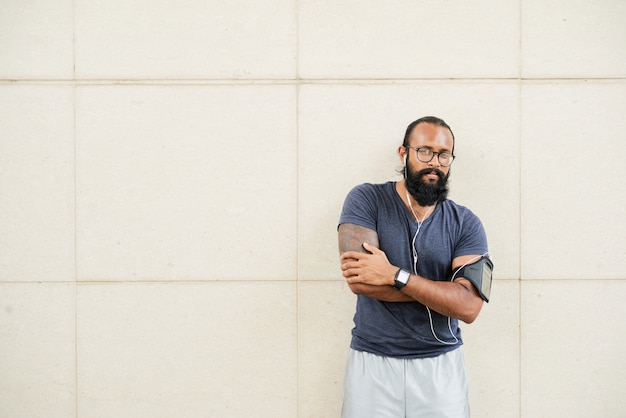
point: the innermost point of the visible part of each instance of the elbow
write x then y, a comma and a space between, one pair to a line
356, 288
470, 302
471, 312
468, 319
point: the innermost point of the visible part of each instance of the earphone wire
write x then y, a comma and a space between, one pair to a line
419, 226
414, 251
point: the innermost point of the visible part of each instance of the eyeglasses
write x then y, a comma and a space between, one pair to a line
426, 155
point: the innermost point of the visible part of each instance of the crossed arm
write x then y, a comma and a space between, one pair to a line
368, 272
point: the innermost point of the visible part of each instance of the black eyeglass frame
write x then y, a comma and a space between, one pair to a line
433, 153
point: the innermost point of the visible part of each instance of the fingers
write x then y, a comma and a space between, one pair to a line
351, 268
358, 267
356, 255
349, 274
349, 265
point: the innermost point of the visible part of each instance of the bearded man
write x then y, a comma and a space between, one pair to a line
418, 263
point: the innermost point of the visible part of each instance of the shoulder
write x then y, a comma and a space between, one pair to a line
461, 218
364, 203
372, 187
370, 190
367, 197
466, 228
462, 213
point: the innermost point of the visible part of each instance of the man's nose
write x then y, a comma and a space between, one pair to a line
435, 161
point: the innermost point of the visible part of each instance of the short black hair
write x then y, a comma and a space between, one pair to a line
427, 119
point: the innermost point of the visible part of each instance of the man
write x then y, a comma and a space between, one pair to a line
412, 256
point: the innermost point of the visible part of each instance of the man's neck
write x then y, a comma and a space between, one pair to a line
419, 212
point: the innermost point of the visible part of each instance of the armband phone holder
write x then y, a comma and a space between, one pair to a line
479, 273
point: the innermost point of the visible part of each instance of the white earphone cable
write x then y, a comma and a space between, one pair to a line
414, 251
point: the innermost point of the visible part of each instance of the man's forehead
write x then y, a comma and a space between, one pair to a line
431, 132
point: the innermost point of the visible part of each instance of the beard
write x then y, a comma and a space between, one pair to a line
425, 193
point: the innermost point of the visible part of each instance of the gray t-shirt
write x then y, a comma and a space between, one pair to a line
403, 329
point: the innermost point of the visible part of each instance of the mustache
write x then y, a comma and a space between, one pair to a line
426, 171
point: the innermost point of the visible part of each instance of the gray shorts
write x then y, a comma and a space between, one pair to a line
385, 387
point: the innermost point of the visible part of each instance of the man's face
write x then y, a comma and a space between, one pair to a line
427, 181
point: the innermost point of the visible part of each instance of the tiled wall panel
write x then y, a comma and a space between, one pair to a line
186, 182
36, 183
572, 346
187, 349
36, 40
574, 40
37, 350
399, 39
573, 180
192, 39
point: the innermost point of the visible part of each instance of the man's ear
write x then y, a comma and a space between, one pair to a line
402, 151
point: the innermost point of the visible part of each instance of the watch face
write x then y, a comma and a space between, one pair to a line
403, 277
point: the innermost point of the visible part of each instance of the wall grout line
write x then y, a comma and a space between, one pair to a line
75, 140
297, 175
520, 207
302, 81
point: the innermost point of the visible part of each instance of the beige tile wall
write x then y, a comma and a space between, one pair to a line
179, 182
171, 175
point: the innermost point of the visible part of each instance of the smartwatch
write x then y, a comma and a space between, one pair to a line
401, 279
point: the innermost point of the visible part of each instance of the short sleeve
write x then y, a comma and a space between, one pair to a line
472, 239
359, 207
